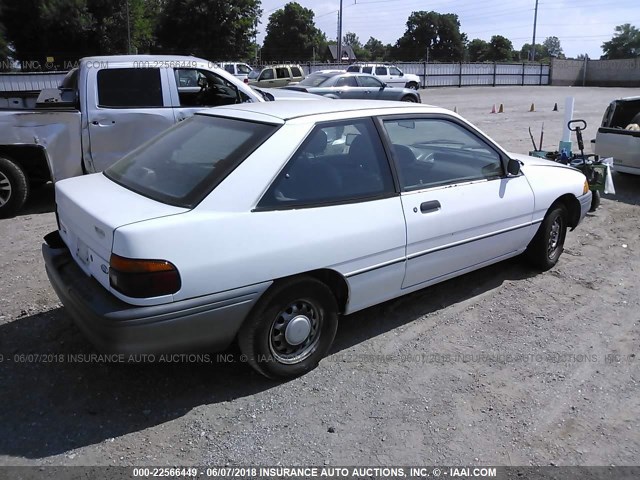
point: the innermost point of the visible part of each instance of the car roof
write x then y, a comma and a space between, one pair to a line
283, 111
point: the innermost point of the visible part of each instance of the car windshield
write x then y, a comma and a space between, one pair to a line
254, 74
182, 165
315, 80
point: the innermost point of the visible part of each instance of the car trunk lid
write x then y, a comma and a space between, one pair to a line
90, 209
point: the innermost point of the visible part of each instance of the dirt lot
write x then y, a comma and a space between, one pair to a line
502, 366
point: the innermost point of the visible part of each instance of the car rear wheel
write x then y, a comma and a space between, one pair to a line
546, 247
413, 85
409, 98
14, 188
290, 329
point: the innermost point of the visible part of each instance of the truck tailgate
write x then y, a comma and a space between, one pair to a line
622, 145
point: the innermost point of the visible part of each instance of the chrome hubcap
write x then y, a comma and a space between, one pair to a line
554, 237
295, 332
5, 189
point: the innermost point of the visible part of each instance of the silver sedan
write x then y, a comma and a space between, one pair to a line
354, 86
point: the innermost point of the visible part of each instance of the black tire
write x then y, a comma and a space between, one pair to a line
14, 188
595, 201
546, 247
413, 85
263, 338
409, 98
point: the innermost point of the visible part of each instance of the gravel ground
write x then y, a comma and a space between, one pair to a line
502, 366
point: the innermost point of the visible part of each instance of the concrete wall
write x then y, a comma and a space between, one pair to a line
596, 73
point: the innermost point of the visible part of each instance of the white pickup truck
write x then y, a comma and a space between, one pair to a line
619, 135
102, 110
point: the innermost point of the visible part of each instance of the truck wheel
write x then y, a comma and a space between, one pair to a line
290, 329
14, 188
413, 85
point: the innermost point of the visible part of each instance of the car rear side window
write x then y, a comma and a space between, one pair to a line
282, 72
346, 82
129, 87
296, 72
338, 162
182, 165
381, 70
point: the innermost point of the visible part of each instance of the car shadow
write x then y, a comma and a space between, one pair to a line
57, 397
627, 188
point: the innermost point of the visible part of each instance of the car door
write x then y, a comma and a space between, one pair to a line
283, 76
370, 87
461, 209
347, 87
267, 78
128, 107
395, 78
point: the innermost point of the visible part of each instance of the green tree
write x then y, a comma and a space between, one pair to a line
375, 49
48, 28
292, 34
624, 44
212, 29
117, 22
541, 52
500, 49
353, 41
437, 32
552, 47
478, 50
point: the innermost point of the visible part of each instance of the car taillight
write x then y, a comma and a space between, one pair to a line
246, 80
138, 278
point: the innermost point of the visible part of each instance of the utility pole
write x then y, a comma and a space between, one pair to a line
533, 42
128, 30
339, 46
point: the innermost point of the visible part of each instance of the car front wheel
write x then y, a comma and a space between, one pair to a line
547, 245
409, 98
290, 329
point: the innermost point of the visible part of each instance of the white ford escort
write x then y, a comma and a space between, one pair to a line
264, 222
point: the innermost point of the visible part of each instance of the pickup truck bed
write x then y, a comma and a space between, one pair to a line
614, 140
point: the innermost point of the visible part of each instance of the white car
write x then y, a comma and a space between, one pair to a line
389, 74
264, 222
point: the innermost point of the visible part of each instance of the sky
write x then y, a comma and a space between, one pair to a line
581, 25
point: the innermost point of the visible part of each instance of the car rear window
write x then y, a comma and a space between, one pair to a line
183, 164
315, 80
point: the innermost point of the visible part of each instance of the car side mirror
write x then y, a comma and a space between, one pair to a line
402, 74
513, 167
384, 85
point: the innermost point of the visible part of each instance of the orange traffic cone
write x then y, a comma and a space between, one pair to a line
533, 108
501, 109
493, 110
555, 108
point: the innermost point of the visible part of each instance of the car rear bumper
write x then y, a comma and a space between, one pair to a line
585, 204
209, 322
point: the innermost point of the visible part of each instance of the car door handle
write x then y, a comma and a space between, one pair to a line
105, 123
431, 206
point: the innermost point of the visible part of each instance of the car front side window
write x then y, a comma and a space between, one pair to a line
430, 152
338, 162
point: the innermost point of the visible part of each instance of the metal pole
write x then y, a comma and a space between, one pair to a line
128, 30
533, 42
339, 52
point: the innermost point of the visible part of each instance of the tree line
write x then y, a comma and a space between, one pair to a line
62, 31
